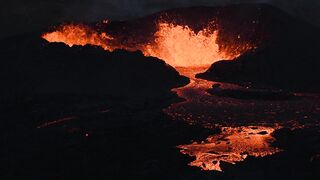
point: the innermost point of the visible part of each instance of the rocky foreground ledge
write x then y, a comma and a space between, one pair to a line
32, 67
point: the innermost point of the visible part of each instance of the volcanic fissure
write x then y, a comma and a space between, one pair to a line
190, 52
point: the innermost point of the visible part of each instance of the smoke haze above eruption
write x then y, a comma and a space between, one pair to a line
18, 16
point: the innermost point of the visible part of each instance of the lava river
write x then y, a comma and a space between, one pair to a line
233, 143
191, 53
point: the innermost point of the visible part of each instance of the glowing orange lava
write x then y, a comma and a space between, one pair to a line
81, 35
190, 53
178, 45
231, 145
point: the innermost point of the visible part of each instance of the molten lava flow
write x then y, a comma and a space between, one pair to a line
78, 35
231, 145
196, 88
191, 53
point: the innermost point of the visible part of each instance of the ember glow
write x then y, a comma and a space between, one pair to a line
231, 145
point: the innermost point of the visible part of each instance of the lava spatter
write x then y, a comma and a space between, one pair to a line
177, 45
190, 53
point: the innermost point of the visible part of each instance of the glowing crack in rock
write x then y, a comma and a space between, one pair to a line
231, 145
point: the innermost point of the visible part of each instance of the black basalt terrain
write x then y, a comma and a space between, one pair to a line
84, 113
286, 59
31, 66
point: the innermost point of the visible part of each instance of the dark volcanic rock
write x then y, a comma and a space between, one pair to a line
240, 24
252, 94
288, 57
119, 139
32, 67
83, 113
237, 24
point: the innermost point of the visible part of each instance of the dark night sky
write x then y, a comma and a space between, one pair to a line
19, 16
